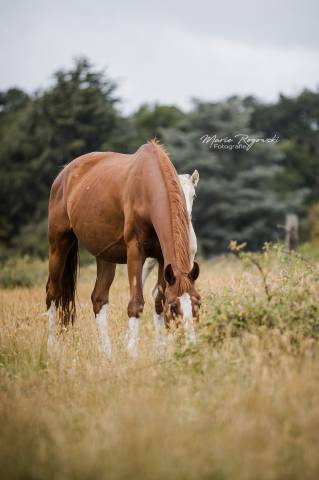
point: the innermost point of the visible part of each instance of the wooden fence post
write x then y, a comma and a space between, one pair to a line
292, 233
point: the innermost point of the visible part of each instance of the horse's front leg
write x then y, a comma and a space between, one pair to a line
135, 260
158, 315
148, 266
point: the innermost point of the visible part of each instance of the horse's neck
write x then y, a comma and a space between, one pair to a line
165, 204
161, 217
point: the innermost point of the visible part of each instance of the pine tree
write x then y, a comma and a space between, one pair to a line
237, 197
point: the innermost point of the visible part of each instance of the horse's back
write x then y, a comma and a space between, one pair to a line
84, 171
96, 164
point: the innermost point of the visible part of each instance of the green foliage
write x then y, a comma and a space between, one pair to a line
13, 100
296, 120
237, 193
314, 223
146, 123
310, 250
149, 121
38, 137
285, 298
22, 272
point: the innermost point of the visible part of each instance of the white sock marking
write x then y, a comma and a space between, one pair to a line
52, 327
159, 325
132, 342
186, 306
101, 323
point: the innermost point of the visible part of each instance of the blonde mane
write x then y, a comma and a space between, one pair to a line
179, 216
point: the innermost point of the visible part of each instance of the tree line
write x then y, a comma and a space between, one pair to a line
243, 193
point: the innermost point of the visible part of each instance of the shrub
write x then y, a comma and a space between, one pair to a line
22, 272
276, 290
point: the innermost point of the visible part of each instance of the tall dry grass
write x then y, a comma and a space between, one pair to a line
242, 405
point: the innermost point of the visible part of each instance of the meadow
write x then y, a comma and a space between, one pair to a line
242, 404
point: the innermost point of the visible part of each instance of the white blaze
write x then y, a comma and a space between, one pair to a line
192, 243
102, 326
186, 307
189, 196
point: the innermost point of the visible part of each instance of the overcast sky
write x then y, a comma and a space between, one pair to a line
165, 51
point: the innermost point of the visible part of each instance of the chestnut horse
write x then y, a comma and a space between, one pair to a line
123, 209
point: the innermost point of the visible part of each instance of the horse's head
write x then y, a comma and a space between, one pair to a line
189, 184
182, 301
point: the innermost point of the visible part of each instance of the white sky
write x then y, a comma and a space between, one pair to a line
168, 51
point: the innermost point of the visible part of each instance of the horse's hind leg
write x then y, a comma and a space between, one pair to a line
100, 299
60, 246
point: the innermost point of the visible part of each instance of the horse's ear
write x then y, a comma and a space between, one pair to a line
195, 178
169, 274
194, 273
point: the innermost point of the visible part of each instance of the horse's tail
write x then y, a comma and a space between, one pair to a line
66, 303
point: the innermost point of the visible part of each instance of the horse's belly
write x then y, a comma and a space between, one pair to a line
115, 254
100, 238
98, 224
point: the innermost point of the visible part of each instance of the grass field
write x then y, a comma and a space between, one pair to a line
243, 404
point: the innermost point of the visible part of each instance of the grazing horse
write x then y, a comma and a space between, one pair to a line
188, 184
123, 209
